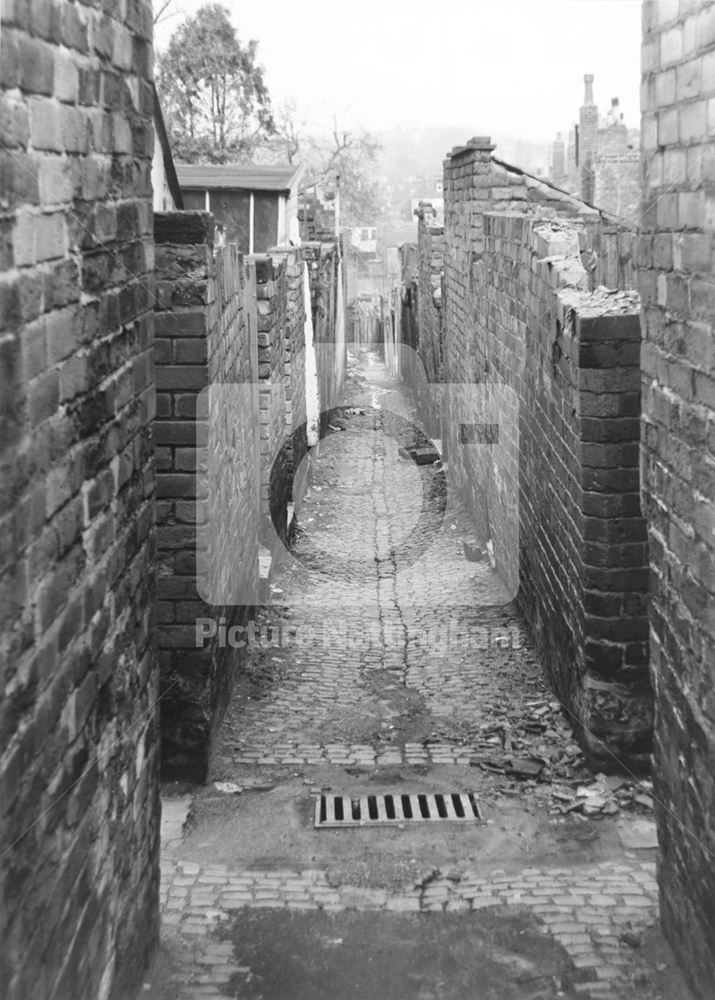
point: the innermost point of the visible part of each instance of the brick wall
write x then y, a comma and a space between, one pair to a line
295, 371
429, 346
408, 320
431, 265
281, 355
616, 183
678, 294
79, 755
205, 334
221, 320
613, 257
327, 304
420, 319
517, 312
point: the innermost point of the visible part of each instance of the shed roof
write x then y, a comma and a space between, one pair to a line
238, 176
169, 166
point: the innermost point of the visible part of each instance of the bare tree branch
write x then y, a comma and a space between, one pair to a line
162, 11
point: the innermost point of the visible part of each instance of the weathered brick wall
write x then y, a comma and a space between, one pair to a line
420, 317
294, 373
206, 328
322, 261
567, 480
612, 260
428, 321
272, 291
610, 249
295, 368
325, 279
430, 247
583, 565
678, 292
78, 747
616, 183
408, 319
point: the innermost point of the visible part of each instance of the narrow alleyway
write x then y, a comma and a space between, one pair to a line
389, 663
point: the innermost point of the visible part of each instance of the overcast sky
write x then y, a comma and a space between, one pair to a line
508, 66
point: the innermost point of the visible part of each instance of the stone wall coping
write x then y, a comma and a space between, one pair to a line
479, 143
186, 227
601, 302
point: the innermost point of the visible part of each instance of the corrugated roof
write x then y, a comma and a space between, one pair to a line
238, 176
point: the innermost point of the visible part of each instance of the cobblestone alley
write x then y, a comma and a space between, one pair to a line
357, 501
389, 662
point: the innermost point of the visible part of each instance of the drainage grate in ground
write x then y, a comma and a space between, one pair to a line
374, 810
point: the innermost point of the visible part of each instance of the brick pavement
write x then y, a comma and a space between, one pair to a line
380, 604
586, 909
343, 677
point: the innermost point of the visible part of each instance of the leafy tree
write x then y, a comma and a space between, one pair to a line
212, 91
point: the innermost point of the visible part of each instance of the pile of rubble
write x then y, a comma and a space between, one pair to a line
531, 748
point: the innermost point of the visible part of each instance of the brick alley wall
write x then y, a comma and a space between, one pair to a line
557, 368
205, 334
408, 305
221, 320
423, 268
430, 248
325, 276
281, 370
678, 292
612, 259
616, 182
78, 747
294, 370
270, 288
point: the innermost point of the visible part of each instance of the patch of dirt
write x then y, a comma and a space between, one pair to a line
351, 955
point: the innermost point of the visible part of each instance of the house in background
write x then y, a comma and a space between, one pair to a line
363, 239
257, 205
165, 184
316, 212
599, 159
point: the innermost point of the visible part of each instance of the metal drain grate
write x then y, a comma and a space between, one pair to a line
374, 810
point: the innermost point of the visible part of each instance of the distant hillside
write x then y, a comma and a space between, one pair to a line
419, 152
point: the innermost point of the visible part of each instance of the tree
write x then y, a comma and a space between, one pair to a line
162, 11
213, 96
289, 130
349, 155
287, 140
352, 156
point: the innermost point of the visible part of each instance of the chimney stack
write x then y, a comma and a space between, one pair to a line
588, 80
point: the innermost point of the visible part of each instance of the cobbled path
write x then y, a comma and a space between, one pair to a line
379, 617
586, 909
385, 646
